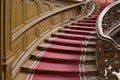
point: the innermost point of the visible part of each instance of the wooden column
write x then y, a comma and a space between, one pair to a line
1, 40
6, 56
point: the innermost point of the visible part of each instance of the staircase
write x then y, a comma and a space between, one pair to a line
68, 54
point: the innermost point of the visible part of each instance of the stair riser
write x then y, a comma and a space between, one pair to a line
75, 45
87, 73
82, 38
72, 32
53, 42
93, 25
73, 38
58, 50
90, 21
62, 60
81, 28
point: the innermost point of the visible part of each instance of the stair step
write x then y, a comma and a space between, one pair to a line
69, 42
60, 48
69, 36
73, 36
90, 21
55, 68
84, 24
24, 76
67, 49
75, 31
87, 28
62, 41
61, 57
21, 76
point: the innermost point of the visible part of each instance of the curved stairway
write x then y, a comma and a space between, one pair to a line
68, 54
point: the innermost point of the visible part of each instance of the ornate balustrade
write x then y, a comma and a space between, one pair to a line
108, 49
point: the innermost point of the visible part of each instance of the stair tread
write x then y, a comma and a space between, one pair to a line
80, 27
64, 47
84, 24
70, 36
24, 76
75, 31
61, 57
55, 47
28, 63
21, 75
70, 42
59, 67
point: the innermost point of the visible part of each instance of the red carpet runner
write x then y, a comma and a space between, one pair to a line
63, 57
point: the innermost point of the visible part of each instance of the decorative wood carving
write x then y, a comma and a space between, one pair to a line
108, 58
116, 37
108, 52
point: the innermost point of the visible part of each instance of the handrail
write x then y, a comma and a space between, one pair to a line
108, 51
99, 28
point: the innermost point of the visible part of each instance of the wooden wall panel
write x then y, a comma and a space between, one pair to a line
77, 10
44, 8
30, 36
31, 10
13, 15
57, 19
45, 25
18, 46
66, 16
17, 17
20, 16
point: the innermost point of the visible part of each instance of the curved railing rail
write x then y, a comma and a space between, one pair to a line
108, 50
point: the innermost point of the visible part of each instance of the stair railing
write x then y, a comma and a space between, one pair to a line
108, 49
